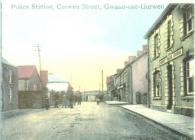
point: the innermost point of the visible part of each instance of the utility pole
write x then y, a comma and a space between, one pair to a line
39, 56
41, 86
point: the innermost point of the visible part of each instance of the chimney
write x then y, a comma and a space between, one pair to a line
118, 70
125, 63
44, 77
131, 58
145, 48
139, 53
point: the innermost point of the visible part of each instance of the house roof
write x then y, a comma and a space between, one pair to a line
26, 71
159, 20
132, 62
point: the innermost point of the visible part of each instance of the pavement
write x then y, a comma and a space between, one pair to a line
17, 112
177, 123
116, 103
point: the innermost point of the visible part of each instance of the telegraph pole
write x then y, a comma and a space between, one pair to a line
39, 57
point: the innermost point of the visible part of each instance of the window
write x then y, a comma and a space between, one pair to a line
35, 87
10, 95
156, 45
188, 19
21, 85
10, 76
190, 76
157, 84
169, 34
26, 85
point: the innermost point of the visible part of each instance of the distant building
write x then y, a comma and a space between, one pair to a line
111, 89
131, 81
9, 86
30, 87
171, 60
122, 83
57, 89
91, 95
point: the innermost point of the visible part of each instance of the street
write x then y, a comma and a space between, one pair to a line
87, 121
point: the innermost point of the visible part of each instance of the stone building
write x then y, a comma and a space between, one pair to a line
9, 86
171, 60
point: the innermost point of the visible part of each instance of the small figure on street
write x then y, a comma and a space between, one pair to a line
47, 103
70, 96
71, 101
66, 102
79, 100
56, 98
98, 101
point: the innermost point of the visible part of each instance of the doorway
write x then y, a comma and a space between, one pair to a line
170, 90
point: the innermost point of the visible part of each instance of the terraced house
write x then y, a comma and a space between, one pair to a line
171, 60
131, 81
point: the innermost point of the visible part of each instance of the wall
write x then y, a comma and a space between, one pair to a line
9, 103
139, 71
30, 99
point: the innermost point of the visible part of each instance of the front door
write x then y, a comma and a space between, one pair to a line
170, 91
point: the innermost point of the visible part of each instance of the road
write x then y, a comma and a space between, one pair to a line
86, 122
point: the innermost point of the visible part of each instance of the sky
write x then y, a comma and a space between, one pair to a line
75, 44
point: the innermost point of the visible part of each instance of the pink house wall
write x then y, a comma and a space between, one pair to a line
139, 71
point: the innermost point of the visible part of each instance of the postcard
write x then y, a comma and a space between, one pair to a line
96, 70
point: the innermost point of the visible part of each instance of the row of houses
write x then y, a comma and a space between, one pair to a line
22, 87
131, 79
163, 79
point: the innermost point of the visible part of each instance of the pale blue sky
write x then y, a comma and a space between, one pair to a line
75, 44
